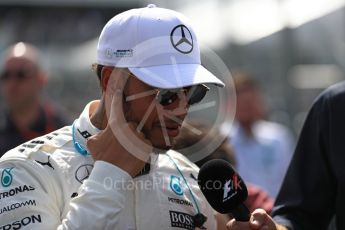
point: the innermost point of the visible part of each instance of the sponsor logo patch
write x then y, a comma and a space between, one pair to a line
47, 163
6, 177
16, 190
181, 39
119, 53
230, 187
175, 185
83, 172
181, 220
18, 224
17, 205
179, 201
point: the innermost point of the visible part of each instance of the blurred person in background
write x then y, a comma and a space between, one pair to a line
26, 115
313, 191
257, 197
263, 148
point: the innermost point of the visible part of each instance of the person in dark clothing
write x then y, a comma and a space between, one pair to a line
314, 187
25, 116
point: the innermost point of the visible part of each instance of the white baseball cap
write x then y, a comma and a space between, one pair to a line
157, 45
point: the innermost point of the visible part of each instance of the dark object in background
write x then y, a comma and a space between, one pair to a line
10, 136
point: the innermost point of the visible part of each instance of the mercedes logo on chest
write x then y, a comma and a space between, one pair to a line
83, 172
181, 39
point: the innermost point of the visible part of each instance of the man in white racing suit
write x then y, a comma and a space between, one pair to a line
112, 169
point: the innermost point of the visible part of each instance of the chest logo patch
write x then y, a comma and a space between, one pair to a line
83, 172
6, 177
175, 185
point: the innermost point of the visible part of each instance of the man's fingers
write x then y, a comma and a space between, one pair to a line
117, 79
237, 225
114, 95
98, 142
122, 129
116, 114
258, 218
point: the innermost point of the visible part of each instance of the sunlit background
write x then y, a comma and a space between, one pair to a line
295, 48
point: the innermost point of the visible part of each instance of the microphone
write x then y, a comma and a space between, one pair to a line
224, 189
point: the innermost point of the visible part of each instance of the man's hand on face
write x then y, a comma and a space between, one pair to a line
120, 143
259, 220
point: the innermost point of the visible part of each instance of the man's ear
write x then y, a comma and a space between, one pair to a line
105, 75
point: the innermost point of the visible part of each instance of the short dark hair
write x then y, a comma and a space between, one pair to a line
98, 70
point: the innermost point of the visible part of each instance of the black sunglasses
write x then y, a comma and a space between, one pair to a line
166, 97
18, 75
194, 94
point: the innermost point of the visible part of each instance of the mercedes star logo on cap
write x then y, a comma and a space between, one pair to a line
181, 40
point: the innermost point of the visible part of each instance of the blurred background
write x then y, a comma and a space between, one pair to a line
295, 48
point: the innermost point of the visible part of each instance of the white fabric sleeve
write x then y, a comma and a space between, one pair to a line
34, 200
105, 201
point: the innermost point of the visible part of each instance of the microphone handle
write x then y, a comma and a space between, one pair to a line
241, 213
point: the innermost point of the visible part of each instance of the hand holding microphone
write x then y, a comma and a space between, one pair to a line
225, 191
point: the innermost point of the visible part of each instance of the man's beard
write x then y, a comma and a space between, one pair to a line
159, 149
